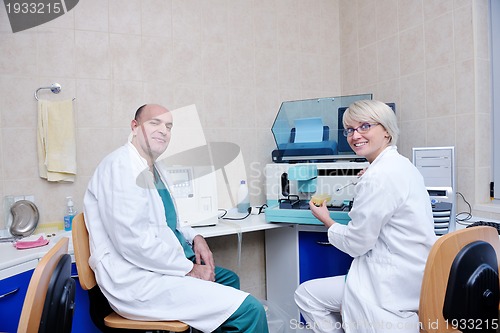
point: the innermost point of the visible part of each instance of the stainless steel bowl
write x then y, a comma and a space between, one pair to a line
25, 218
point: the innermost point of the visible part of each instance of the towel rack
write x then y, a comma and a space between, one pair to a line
54, 87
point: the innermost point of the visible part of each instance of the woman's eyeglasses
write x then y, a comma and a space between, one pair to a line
360, 129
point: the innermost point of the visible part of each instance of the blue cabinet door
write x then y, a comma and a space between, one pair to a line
12, 294
318, 258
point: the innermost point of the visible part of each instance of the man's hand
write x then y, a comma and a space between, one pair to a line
202, 252
203, 272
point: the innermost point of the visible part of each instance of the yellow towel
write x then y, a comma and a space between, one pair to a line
56, 141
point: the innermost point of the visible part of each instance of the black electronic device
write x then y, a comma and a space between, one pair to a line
442, 213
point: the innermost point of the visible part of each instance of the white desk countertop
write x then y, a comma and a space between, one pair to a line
14, 261
231, 227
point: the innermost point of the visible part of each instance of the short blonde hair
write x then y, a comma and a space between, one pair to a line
372, 111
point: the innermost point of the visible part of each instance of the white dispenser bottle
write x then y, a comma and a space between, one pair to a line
243, 198
69, 214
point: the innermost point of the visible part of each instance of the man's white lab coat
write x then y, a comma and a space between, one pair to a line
389, 236
138, 261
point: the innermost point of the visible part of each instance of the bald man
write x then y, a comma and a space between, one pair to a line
147, 266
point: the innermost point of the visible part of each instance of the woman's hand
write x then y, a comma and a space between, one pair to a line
321, 213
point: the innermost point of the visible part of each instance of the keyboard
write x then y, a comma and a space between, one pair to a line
486, 223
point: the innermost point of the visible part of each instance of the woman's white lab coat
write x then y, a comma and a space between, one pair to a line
389, 236
139, 264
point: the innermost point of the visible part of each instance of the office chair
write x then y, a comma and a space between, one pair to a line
50, 299
101, 312
460, 287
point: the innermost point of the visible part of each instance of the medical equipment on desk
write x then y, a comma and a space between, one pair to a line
313, 161
311, 130
195, 193
290, 187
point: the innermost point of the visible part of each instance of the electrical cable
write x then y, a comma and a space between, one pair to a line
249, 212
224, 214
231, 218
468, 215
235, 218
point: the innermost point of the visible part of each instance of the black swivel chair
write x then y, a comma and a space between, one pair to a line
50, 300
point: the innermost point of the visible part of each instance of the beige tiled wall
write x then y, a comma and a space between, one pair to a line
431, 58
237, 60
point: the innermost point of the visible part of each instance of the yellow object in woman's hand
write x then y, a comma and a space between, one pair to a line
318, 199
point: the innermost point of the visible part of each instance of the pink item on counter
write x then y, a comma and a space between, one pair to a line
20, 245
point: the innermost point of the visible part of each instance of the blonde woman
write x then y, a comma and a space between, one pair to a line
389, 236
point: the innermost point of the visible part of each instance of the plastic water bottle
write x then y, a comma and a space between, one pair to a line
69, 214
243, 198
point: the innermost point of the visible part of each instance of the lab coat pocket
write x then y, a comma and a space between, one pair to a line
384, 273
